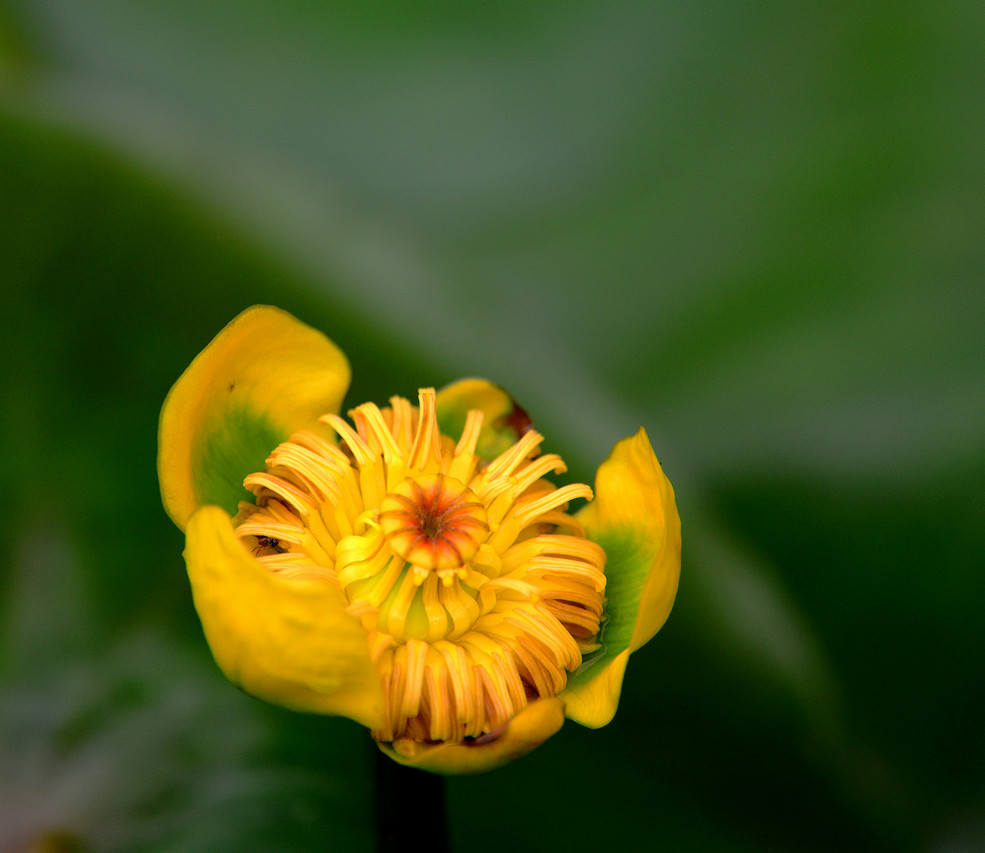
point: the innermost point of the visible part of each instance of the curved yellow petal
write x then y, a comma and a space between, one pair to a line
527, 730
504, 419
287, 641
634, 501
264, 375
634, 518
594, 705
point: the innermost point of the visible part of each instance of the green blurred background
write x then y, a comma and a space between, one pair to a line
755, 229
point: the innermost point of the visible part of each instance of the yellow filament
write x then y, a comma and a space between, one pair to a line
402, 418
506, 462
360, 450
538, 468
374, 431
427, 444
530, 511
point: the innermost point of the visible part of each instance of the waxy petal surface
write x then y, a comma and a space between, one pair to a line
504, 420
527, 730
634, 518
287, 641
264, 375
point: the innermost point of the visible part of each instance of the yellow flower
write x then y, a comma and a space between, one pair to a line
411, 568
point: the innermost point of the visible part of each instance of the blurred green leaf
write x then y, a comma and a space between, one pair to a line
148, 750
755, 231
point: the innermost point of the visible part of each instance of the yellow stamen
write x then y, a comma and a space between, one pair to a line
478, 592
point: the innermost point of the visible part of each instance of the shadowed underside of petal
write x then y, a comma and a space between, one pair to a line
287, 641
527, 730
634, 518
263, 376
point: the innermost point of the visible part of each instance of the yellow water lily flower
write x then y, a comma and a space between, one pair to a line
411, 568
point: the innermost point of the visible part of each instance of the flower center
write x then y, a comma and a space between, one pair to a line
433, 521
478, 591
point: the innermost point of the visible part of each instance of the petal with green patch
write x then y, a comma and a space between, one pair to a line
288, 641
634, 518
504, 422
264, 375
523, 733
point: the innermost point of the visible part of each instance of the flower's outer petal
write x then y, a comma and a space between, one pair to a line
527, 730
593, 702
263, 376
504, 422
287, 641
634, 518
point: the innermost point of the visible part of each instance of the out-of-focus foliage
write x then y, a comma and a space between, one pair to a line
757, 231
126, 742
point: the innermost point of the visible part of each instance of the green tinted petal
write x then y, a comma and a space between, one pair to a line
505, 421
288, 641
634, 518
262, 377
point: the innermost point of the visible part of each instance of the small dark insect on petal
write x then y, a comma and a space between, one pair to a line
267, 544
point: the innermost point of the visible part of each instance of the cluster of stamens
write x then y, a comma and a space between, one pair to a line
477, 589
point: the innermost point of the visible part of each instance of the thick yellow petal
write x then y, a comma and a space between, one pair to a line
595, 704
634, 501
634, 518
504, 419
287, 641
527, 730
262, 377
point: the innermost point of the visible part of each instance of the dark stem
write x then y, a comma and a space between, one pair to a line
410, 809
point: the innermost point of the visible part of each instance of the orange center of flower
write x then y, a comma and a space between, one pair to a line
478, 591
433, 521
